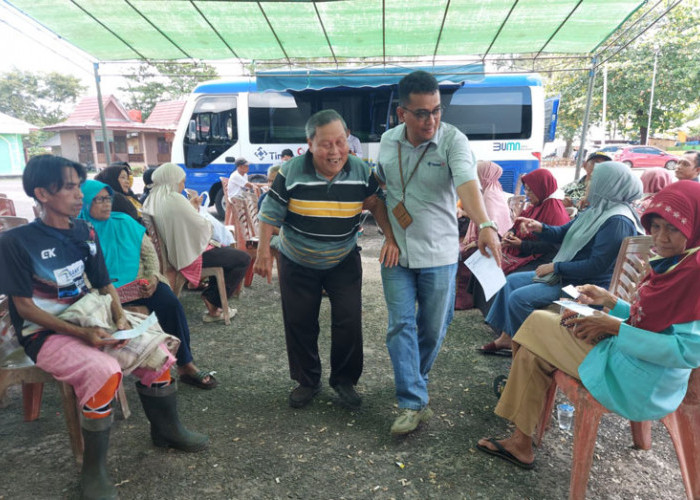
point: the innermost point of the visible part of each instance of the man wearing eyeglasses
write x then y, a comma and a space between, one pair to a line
425, 165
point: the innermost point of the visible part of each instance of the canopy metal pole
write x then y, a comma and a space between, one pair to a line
605, 103
586, 115
651, 97
105, 139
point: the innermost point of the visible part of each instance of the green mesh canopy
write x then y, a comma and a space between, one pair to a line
116, 30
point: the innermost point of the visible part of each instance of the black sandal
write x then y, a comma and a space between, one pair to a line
197, 379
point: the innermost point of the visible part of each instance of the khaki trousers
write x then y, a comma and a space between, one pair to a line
545, 346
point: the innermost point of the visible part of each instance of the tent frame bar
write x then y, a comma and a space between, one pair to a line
274, 33
206, 20
661, 16
442, 26
498, 33
103, 122
162, 33
561, 25
586, 115
325, 33
91, 16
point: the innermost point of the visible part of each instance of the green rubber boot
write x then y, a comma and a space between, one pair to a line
160, 405
94, 479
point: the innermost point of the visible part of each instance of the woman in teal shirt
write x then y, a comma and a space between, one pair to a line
638, 368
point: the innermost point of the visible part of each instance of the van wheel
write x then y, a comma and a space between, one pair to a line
220, 202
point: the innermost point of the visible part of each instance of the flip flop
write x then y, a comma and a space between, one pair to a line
504, 454
492, 349
197, 379
208, 318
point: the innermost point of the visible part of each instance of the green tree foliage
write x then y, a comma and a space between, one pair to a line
677, 39
38, 98
150, 83
572, 86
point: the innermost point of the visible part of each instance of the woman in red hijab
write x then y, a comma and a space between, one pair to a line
522, 251
638, 365
522, 248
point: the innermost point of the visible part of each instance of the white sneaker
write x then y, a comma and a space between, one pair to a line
409, 420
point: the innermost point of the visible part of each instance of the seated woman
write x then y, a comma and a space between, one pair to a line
117, 177
129, 255
653, 181
187, 235
575, 192
638, 368
589, 246
44, 264
147, 184
497, 210
521, 250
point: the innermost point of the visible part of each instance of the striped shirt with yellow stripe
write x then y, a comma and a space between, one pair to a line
319, 219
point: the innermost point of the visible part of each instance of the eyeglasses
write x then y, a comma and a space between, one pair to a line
424, 114
102, 199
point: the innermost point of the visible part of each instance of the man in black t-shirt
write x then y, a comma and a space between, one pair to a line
44, 268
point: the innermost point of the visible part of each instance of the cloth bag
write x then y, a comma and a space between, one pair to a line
93, 310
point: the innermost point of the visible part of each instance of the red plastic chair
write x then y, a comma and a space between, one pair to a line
7, 207
630, 268
588, 415
683, 426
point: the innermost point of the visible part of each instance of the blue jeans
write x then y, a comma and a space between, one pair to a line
414, 337
517, 299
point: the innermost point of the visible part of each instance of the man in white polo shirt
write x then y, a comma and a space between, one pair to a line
425, 165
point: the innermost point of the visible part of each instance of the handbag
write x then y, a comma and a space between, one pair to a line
131, 291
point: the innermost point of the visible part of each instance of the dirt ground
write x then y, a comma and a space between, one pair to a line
263, 449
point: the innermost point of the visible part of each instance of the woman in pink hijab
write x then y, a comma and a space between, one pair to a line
653, 181
497, 210
494, 200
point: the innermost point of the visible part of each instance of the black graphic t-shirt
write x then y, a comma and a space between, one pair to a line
48, 265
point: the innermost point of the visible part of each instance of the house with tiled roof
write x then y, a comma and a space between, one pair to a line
129, 139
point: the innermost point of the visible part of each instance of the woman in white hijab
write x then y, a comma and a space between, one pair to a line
187, 235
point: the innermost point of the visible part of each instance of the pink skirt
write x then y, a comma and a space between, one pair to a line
86, 368
71, 360
193, 272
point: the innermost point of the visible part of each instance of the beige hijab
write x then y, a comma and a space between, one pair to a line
185, 233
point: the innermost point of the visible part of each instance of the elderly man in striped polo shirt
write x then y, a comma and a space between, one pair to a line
316, 201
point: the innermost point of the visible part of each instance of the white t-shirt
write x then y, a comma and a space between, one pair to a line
355, 145
236, 183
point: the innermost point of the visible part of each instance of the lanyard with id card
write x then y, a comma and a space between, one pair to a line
402, 216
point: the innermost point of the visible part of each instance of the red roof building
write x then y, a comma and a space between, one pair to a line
147, 144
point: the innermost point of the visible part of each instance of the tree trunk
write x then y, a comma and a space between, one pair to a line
643, 135
569, 147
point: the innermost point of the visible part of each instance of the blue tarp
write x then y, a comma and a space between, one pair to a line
361, 77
